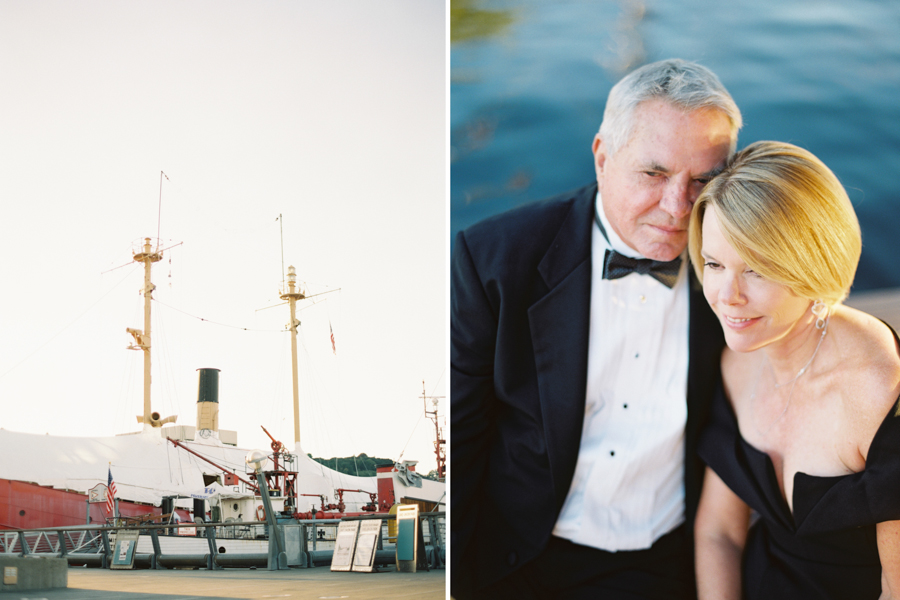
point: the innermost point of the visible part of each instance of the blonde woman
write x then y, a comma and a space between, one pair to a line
801, 497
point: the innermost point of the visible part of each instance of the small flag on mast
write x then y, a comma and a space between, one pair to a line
110, 493
331, 331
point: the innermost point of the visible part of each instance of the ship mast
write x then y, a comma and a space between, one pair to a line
439, 440
293, 294
147, 256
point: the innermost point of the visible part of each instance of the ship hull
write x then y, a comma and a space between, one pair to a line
25, 505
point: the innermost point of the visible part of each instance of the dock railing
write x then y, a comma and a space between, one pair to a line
93, 546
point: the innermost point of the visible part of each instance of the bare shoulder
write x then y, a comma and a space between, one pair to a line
867, 359
868, 346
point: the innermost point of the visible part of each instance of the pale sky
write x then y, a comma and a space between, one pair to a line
332, 114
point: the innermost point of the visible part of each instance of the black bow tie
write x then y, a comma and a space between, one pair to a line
617, 265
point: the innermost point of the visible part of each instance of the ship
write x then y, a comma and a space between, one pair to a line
183, 474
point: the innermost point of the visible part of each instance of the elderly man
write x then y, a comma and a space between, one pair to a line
583, 360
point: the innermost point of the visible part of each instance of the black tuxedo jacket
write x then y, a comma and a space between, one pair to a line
520, 309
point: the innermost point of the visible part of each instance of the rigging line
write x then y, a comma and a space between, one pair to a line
159, 215
302, 308
281, 228
224, 459
415, 427
316, 379
170, 397
215, 322
275, 410
169, 463
169, 382
62, 329
313, 383
335, 399
125, 387
117, 268
443, 372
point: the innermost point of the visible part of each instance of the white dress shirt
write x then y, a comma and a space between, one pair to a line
628, 487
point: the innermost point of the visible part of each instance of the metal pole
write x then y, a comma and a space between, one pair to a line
280, 558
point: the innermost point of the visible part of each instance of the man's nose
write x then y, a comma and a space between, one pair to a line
678, 198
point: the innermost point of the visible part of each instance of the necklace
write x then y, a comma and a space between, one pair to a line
792, 381
809, 362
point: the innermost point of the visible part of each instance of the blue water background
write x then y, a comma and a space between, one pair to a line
529, 81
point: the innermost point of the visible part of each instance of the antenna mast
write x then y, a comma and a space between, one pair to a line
281, 229
159, 213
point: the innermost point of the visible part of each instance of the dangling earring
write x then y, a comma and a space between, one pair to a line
820, 311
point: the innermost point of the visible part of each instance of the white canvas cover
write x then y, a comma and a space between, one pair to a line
146, 467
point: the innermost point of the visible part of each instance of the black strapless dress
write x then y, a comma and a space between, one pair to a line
827, 548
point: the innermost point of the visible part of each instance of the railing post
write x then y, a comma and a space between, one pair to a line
213, 550
61, 538
305, 558
104, 535
157, 552
437, 541
24, 544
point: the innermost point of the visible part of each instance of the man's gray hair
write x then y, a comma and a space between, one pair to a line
681, 83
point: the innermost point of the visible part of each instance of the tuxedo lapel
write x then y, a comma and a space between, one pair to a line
559, 324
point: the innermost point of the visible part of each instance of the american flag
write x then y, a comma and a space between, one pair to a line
110, 493
333, 347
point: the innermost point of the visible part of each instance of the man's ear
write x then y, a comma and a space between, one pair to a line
600, 155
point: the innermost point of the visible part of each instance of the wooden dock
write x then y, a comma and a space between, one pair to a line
295, 584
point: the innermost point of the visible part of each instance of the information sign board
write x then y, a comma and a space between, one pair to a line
344, 546
407, 536
97, 494
366, 545
123, 551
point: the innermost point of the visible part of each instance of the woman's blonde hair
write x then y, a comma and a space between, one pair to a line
788, 218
